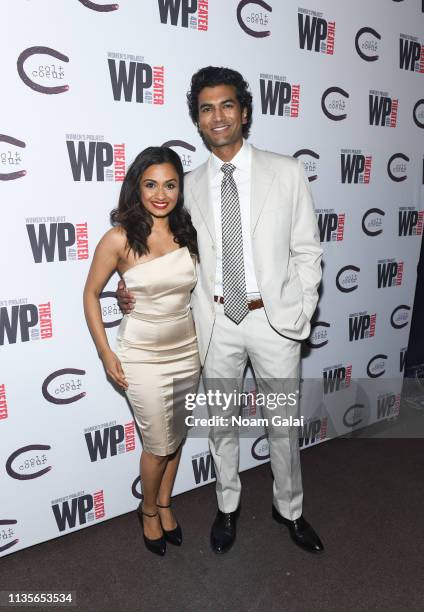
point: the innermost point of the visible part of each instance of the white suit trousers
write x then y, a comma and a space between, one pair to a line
275, 360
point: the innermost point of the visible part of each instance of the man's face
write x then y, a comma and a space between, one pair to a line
220, 116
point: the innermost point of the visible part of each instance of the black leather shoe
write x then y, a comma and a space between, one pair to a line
223, 532
174, 536
157, 546
301, 532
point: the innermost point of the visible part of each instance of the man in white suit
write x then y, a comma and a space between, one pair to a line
260, 268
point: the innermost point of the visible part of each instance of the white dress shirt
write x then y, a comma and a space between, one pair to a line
242, 177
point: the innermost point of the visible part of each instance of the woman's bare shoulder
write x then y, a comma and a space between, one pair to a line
115, 238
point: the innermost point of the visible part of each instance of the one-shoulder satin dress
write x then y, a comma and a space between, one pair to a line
157, 347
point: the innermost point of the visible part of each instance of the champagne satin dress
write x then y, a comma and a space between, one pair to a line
157, 346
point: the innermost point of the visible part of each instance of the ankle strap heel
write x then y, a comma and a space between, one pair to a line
174, 536
157, 546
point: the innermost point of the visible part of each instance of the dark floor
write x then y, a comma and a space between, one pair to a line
363, 496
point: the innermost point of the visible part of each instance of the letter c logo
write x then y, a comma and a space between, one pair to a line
242, 24
40, 51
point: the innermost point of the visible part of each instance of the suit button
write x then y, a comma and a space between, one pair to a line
213, 247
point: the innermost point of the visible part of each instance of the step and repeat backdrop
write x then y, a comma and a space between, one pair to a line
85, 87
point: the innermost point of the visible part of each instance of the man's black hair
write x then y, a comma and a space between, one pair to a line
211, 76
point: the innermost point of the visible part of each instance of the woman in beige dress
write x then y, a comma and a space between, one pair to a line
153, 246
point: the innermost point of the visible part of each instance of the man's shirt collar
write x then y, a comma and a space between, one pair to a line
241, 160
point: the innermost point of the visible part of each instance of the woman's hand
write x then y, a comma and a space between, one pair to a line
114, 369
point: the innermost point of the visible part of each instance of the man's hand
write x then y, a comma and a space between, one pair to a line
126, 299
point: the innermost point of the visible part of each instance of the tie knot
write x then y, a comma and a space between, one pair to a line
228, 169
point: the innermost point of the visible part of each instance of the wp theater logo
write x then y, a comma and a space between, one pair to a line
411, 54
193, 13
11, 158
330, 224
131, 74
333, 103
57, 239
7, 534
397, 167
100, 8
376, 366
389, 273
92, 158
336, 377
253, 17
248, 404
3, 403
109, 439
64, 386
21, 320
347, 278
279, 96
310, 163
410, 221
388, 405
319, 334
361, 325
383, 109
316, 33
372, 222
355, 166
366, 44
78, 508
203, 467
313, 431
28, 462
45, 76
402, 358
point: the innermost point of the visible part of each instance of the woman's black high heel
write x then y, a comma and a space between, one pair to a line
174, 536
157, 546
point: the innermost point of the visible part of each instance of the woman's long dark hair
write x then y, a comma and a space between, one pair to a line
136, 220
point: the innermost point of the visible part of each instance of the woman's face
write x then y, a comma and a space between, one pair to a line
159, 189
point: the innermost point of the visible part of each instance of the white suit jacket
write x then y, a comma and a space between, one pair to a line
285, 243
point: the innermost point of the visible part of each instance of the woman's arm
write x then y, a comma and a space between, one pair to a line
105, 261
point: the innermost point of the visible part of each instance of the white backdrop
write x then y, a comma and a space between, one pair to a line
69, 451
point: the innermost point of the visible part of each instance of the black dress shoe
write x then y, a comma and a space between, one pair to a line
223, 532
174, 536
301, 532
157, 546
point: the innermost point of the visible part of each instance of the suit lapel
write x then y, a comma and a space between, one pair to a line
262, 179
201, 195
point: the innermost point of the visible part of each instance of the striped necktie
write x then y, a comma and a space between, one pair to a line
233, 276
